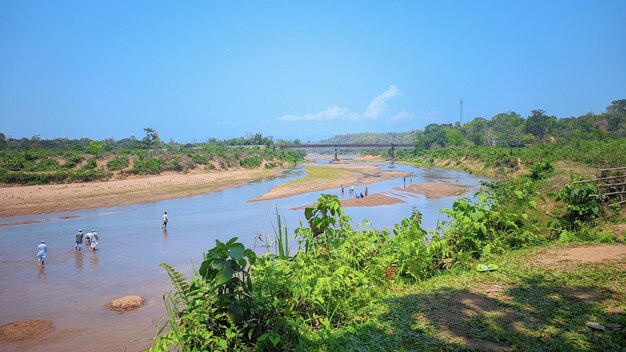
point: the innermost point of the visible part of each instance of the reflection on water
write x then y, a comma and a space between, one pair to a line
78, 260
43, 276
164, 235
93, 260
129, 263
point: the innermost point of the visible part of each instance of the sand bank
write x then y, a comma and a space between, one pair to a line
370, 201
28, 200
435, 190
331, 176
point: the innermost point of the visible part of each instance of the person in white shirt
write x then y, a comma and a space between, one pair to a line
42, 252
165, 220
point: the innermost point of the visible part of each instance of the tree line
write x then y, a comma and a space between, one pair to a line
38, 161
507, 129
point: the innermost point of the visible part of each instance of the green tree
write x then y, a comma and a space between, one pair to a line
94, 148
433, 136
477, 131
617, 107
539, 124
152, 138
454, 137
508, 128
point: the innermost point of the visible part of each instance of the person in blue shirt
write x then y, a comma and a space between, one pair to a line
42, 252
79, 240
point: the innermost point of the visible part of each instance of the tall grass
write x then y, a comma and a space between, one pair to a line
281, 239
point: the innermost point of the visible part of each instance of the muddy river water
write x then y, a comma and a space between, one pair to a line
74, 287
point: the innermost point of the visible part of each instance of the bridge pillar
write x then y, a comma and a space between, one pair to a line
392, 152
336, 159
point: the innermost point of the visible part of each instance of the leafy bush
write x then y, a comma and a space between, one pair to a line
199, 159
251, 162
147, 165
91, 164
73, 161
119, 163
585, 235
580, 202
541, 170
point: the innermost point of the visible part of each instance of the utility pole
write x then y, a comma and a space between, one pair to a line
461, 111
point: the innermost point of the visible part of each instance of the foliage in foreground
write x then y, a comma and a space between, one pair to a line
340, 275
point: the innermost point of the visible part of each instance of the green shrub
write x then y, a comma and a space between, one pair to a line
251, 162
90, 165
119, 163
149, 165
581, 204
73, 161
199, 159
586, 235
541, 170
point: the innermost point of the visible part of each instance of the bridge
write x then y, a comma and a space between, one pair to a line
391, 146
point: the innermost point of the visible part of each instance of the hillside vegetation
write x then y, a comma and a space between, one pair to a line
36, 161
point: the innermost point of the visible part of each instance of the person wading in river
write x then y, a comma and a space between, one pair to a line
42, 252
79, 240
93, 239
165, 220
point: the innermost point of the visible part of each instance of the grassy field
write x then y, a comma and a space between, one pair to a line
532, 303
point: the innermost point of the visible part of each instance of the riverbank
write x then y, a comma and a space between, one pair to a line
31, 200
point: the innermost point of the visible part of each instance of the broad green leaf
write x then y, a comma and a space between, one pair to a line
275, 339
236, 251
308, 213
225, 270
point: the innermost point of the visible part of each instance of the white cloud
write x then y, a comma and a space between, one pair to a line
374, 109
379, 104
331, 113
401, 116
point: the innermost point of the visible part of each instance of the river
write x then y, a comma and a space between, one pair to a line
73, 287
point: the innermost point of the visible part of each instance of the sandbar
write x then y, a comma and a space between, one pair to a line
331, 176
435, 190
371, 200
30, 200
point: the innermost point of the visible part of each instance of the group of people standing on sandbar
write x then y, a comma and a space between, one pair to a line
354, 193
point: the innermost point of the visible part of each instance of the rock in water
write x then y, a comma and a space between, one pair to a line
126, 303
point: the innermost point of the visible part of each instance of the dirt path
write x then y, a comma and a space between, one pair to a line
567, 258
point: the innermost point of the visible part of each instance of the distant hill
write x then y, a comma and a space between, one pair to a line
382, 138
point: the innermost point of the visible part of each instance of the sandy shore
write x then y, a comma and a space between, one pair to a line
370, 201
435, 190
334, 176
28, 200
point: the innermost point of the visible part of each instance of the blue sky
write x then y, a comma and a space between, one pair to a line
309, 70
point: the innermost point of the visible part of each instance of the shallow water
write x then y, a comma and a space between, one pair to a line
74, 286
